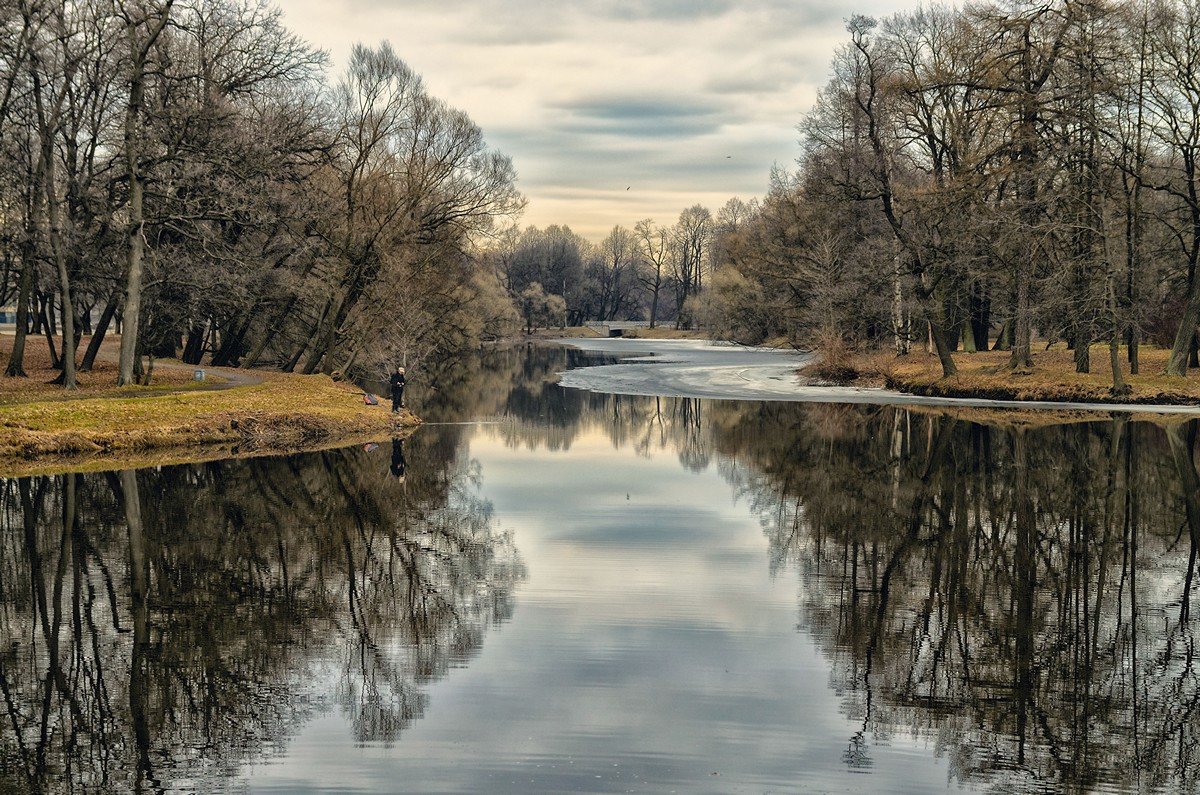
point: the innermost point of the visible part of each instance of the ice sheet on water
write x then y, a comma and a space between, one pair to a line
724, 371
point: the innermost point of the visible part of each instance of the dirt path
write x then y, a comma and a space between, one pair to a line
233, 377
38, 385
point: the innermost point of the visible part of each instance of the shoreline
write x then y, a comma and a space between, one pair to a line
184, 454
269, 413
723, 371
984, 379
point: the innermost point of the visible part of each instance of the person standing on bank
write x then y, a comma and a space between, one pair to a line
397, 389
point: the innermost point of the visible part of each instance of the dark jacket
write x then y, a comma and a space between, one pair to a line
397, 382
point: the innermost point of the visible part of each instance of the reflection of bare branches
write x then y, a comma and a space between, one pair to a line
247, 579
1027, 613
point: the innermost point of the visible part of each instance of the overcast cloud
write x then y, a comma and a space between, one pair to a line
612, 111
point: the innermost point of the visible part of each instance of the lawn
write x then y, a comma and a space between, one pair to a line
43, 426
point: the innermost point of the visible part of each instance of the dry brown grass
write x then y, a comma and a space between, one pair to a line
100, 382
837, 363
42, 425
1053, 377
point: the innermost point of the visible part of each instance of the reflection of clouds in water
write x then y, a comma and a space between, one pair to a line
640, 660
656, 637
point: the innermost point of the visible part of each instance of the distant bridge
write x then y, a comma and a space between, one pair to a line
616, 328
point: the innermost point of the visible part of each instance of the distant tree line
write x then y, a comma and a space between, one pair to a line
187, 174
651, 272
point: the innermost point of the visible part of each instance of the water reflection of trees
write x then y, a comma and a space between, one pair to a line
1020, 596
164, 626
517, 385
1023, 597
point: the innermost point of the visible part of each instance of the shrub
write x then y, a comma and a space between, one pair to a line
834, 360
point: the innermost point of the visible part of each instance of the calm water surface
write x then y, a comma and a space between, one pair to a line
590, 593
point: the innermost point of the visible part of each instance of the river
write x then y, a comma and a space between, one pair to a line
548, 589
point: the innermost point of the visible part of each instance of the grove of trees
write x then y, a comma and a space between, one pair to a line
649, 272
189, 174
192, 176
972, 175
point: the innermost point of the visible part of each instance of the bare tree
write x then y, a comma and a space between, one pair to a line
614, 265
693, 235
144, 23
654, 249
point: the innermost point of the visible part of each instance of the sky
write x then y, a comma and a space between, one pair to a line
612, 110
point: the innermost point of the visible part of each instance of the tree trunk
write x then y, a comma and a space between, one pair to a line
1004, 337
291, 364
1022, 356
55, 361
1185, 334
272, 329
968, 337
899, 327
57, 246
953, 334
1119, 387
1033, 79
324, 335
978, 310
1178, 360
48, 324
131, 312
193, 350
93, 348
233, 345
1082, 339
16, 359
942, 346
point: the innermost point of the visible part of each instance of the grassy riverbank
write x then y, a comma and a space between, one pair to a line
986, 375
44, 428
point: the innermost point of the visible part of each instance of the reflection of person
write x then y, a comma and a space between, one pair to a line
397, 389
398, 464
